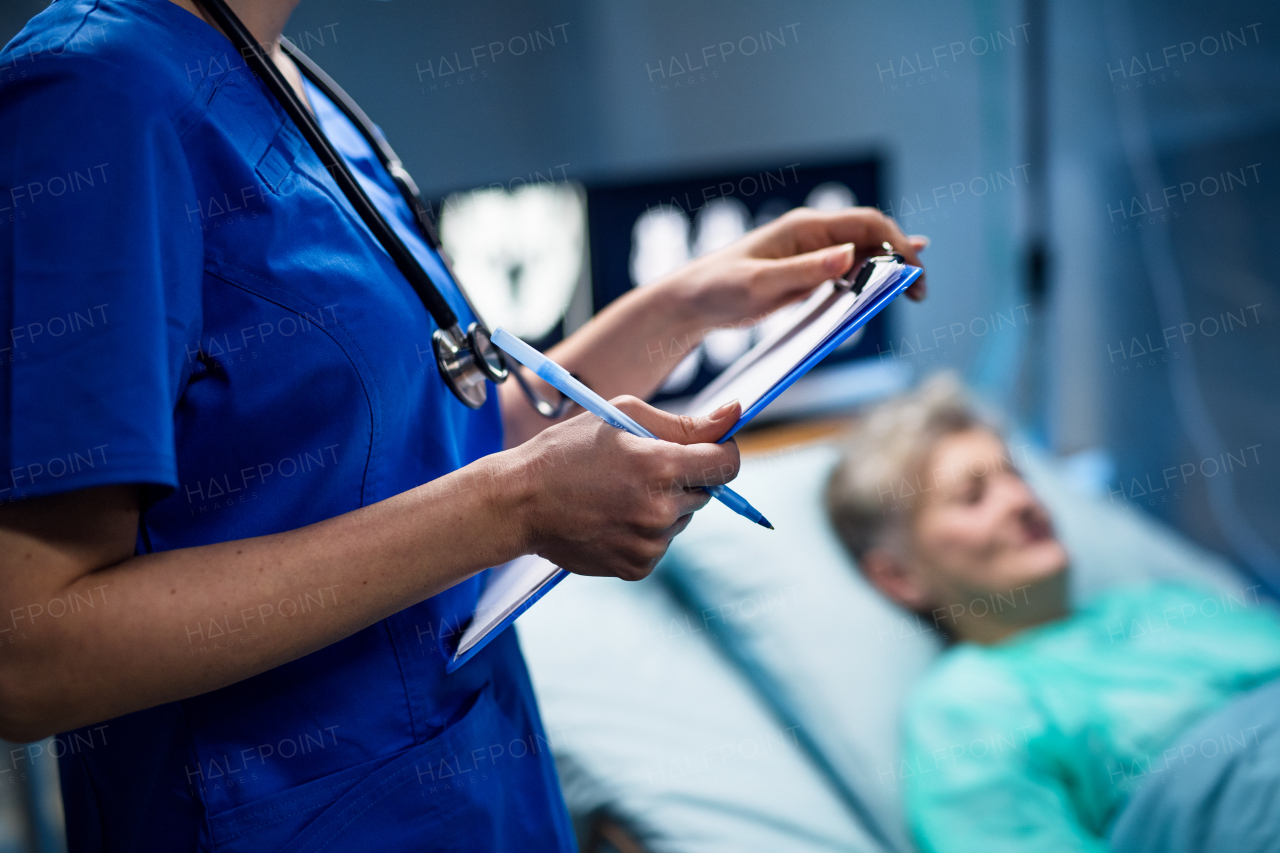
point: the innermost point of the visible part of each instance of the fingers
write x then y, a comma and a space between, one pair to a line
887, 231
632, 494
683, 494
787, 278
689, 501
676, 470
666, 534
805, 230
701, 465
670, 472
681, 429
679, 526
635, 556
880, 229
918, 290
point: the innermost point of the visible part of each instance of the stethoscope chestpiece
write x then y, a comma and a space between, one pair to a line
467, 361
458, 368
490, 361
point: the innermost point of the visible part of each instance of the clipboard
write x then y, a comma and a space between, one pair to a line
835, 311
512, 588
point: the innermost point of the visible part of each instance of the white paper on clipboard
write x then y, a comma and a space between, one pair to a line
827, 310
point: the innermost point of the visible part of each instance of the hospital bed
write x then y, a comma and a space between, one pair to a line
746, 696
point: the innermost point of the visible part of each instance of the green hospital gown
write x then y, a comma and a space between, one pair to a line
1034, 744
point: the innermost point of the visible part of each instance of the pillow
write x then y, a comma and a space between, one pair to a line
789, 607
828, 652
649, 722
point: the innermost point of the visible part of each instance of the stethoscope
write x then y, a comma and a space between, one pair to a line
465, 359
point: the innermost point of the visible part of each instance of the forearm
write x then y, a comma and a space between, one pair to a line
628, 348
161, 627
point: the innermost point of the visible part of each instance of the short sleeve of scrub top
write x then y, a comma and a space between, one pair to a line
191, 305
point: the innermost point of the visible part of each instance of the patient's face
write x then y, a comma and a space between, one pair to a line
984, 532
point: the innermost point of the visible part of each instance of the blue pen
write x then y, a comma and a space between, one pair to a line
553, 373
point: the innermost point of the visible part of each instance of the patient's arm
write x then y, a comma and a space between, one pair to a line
980, 775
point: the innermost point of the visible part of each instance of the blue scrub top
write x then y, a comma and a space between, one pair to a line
191, 304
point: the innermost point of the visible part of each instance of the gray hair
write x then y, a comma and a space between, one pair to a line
884, 452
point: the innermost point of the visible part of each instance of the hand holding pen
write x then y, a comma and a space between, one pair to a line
598, 501
554, 374
566, 384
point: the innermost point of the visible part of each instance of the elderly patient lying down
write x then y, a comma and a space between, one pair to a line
1037, 722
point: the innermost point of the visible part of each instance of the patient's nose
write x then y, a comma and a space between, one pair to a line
1016, 494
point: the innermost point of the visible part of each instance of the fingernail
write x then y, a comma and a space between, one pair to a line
841, 258
723, 411
922, 240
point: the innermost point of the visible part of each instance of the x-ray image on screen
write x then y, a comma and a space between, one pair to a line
519, 253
